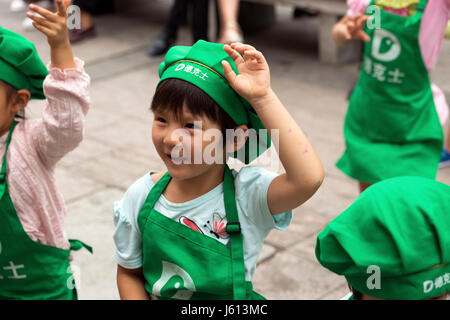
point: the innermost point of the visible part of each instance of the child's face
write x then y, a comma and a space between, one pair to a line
190, 146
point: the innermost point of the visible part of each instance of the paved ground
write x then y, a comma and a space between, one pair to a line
117, 148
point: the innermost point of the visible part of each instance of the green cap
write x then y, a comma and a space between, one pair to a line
20, 65
201, 65
393, 242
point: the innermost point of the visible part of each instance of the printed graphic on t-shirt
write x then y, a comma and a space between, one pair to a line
217, 226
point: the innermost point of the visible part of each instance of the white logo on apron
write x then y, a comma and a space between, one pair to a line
170, 270
381, 37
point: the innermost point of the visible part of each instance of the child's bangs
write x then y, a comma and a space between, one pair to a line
172, 94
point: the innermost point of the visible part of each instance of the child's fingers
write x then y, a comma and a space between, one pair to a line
42, 29
43, 12
363, 36
237, 58
62, 9
228, 71
361, 22
254, 54
39, 20
347, 34
241, 48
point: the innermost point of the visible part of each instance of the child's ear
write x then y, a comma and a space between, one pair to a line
237, 139
20, 100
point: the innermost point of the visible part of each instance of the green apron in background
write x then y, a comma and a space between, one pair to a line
30, 270
392, 127
180, 263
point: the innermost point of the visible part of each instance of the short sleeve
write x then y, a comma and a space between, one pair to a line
127, 236
252, 185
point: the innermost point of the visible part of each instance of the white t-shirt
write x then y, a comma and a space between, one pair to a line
204, 214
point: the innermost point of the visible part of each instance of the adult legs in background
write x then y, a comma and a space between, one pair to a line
230, 31
167, 37
200, 19
88, 8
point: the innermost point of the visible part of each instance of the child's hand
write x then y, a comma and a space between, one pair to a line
253, 80
53, 25
351, 29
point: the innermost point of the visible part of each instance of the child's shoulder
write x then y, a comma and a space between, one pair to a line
143, 185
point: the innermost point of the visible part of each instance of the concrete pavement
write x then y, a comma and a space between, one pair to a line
117, 147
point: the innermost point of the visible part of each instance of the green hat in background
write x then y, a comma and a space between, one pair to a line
201, 65
393, 242
20, 65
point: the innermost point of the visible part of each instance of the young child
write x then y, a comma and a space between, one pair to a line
34, 249
393, 242
392, 127
195, 230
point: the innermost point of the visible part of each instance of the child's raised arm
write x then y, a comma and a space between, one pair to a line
54, 26
304, 171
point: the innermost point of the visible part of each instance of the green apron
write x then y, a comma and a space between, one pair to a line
392, 127
30, 270
180, 263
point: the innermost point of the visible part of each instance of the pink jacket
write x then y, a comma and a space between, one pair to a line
37, 145
432, 31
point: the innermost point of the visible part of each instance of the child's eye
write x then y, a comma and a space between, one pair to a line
191, 126
160, 119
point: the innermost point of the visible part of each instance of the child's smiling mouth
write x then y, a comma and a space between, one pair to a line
176, 160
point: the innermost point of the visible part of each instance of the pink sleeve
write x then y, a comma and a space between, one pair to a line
61, 128
432, 30
356, 6
441, 104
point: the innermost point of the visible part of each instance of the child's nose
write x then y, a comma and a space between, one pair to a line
174, 137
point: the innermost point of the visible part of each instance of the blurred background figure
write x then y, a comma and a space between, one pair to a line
445, 157
230, 31
88, 9
178, 16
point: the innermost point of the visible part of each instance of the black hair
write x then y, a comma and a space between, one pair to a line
172, 94
356, 294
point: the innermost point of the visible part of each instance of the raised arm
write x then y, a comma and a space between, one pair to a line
66, 88
304, 171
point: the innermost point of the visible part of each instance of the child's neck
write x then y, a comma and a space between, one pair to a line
183, 190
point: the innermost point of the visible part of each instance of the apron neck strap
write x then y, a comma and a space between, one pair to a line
236, 242
421, 6
8, 141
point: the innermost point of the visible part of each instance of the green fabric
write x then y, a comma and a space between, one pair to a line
20, 65
29, 270
401, 225
201, 65
392, 127
180, 263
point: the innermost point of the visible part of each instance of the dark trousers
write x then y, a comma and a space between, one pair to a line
178, 14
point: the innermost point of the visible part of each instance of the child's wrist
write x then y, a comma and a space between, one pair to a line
62, 45
259, 103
